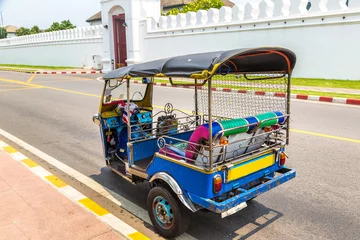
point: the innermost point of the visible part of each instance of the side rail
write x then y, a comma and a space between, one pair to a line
226, 149
166, 124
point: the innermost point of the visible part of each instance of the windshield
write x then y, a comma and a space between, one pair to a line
117, 90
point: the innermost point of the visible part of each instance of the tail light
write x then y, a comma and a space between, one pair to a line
223, 141
282, 158
267, 129
217, 183
276, 127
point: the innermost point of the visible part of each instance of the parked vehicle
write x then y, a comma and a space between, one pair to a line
227, 151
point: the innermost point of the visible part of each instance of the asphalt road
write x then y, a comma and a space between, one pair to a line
54, 115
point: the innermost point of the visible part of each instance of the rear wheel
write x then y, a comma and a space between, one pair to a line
169, 217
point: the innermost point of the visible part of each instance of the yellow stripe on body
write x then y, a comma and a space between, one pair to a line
93, 206
56, 181
251, 167
29, 163
138, 236
9, 149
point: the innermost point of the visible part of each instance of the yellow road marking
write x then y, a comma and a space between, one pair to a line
93, 206
326, 136
19, 89
47, 87
29, 163
138, 236
161, 107
31, 78
65, 81
6, 85
56, 181
9, 149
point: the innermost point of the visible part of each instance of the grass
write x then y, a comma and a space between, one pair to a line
20, 67
327, 94
316, 82
327, 83
305, 92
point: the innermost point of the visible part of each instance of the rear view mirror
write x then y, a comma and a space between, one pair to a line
114, 83
96, 119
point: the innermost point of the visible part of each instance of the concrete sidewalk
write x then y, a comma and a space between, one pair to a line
32, 209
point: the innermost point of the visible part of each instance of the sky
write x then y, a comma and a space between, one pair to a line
27, 13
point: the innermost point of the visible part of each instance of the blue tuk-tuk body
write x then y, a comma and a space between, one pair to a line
227, 151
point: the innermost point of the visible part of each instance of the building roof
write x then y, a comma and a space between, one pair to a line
11, 28
164, 4
95, 17
173, 3
228, 3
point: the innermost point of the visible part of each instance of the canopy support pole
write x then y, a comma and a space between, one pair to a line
288, 96
196, 105
128, 108
210, 122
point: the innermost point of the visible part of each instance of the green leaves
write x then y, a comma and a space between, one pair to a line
22, 31
66, 24
3, 33
35, 29
196, 6
26, 31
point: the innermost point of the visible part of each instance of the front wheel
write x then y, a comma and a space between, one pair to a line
169, 217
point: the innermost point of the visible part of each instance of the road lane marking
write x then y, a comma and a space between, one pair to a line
19, 89
75, 196
47, 87
31, 78
325, 135
63, 81
186, 111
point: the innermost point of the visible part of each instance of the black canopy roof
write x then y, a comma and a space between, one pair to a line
204, 65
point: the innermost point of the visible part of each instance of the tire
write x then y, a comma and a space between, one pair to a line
168, 215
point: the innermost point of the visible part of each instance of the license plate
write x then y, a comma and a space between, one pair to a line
249, 167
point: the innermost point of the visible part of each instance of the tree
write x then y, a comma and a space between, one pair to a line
196, 6
35, 29
66, 24
3, 33
22, 31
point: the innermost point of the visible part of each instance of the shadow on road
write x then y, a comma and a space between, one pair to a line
203, 225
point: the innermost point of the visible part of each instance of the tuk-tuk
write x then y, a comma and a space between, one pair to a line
229, 149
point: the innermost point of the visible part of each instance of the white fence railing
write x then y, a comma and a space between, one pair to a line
91, 32
75, 47
253, 10
324, 38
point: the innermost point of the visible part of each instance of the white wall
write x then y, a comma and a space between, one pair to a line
72, 48
325, 39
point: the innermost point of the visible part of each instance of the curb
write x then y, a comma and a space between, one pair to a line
275, 94
53, 72
74, 195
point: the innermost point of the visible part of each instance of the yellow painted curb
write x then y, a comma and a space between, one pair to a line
93, 206
138, 236
9, 149
29, 163
56, 181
